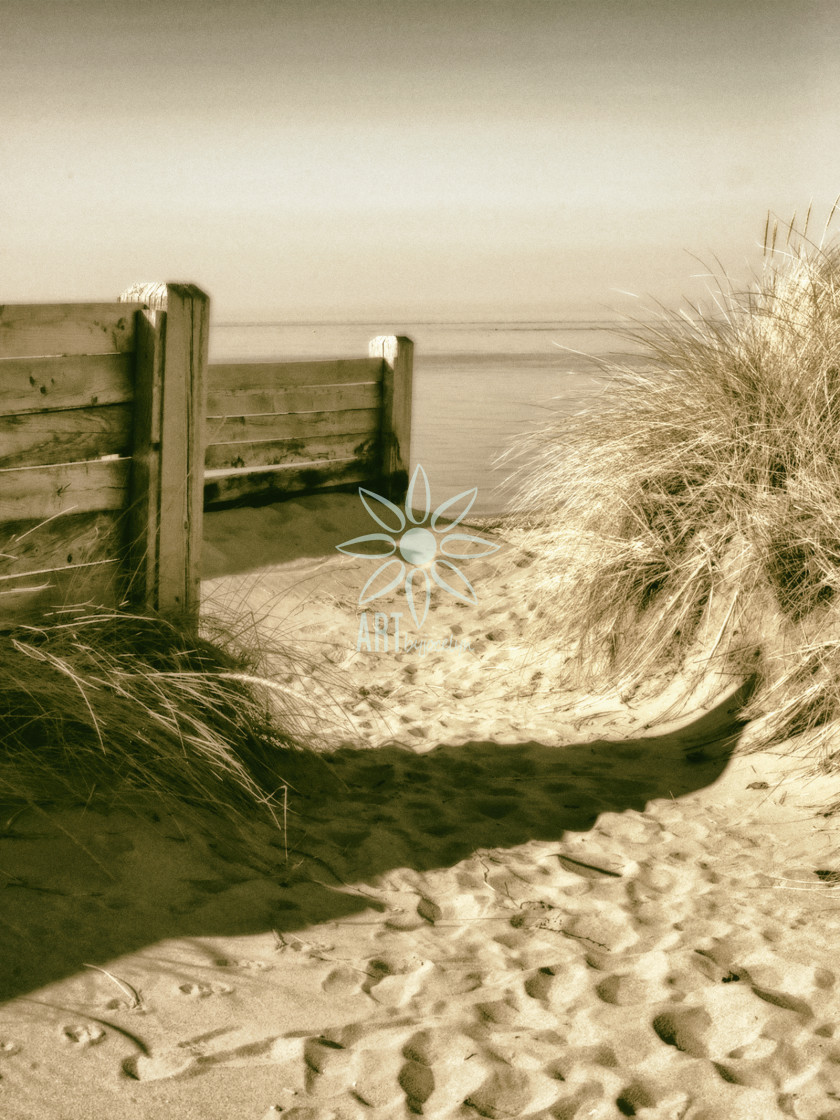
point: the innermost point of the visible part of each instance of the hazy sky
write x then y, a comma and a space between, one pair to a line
353, 156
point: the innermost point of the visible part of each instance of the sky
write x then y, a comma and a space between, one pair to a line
344, 158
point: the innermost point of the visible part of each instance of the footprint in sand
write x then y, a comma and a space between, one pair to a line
342, 981
441, 1068
429, 911
393, 980
330, 1067
728, 1019
83, 1035
509, 1093
202, 991
629, 991
377, 1081
249, 965
155, 1067
559, 984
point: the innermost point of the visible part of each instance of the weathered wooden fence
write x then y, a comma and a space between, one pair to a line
101, 424
115, 434
281, 428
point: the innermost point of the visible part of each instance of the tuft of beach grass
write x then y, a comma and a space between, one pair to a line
114, 707
692, 517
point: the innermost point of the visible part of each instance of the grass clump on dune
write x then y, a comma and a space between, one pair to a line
109, 705
696, 508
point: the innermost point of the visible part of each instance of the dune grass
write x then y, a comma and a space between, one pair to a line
693, 514
107, 706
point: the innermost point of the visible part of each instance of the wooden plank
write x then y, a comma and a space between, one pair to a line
72, 539
221, 488
292, 425
397, 353
35, 384
182, 443
31, 330
31, 599
266, 376
73, 434
311, 398
36, 493
274, 452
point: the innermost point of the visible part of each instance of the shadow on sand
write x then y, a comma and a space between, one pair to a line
85, 887
239, 540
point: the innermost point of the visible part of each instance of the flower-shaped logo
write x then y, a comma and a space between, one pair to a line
422, 550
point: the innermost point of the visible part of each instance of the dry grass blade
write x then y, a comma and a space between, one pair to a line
127, 989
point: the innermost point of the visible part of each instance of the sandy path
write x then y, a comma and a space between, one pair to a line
496, 900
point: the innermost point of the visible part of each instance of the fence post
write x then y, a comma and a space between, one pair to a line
168, 461
397, 353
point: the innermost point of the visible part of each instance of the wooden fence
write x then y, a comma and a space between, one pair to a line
281, 428
114, 435
101, 423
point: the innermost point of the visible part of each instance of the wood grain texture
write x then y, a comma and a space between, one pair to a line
65, 541
36, 493
276, 452
273, 485
397, 353
182, 441
30, 330
267, 376
36, 384
307, 398
293, 425
67, 436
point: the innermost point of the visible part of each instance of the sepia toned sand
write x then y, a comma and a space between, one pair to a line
491, 897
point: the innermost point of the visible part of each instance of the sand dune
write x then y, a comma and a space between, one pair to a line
494, 898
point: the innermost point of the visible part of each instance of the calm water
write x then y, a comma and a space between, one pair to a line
478, 387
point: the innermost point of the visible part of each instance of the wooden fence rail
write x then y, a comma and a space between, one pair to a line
115, 434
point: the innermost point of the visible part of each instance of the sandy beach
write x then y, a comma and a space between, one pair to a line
523, 811
489, 897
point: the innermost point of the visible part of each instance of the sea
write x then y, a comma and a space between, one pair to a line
478, 389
